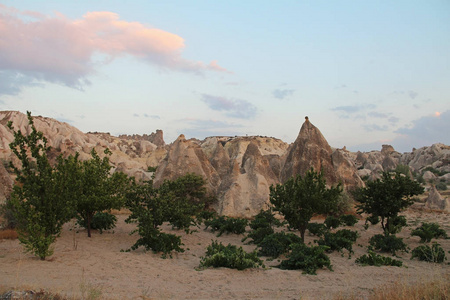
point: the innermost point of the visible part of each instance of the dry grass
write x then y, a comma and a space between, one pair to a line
438, 289
8, 234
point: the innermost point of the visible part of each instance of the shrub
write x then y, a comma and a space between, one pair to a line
305, 258
206, 215
373, 259
258, 235
9, 220
275, 244
428, 231
435, 253
228, 225
348, 220
101, 221
342, 239
388, 243
317, 229
332, 222
218, 255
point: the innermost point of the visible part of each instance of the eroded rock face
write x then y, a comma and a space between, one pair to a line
310, 150
345, 169
436, 201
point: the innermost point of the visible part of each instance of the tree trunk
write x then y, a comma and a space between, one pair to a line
88, 221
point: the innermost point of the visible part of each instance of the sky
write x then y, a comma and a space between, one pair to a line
366, 73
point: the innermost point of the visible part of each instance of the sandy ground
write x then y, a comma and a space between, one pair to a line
83, 267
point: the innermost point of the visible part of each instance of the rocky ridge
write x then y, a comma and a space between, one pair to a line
238, 170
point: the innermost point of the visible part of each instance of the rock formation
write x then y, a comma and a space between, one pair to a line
238, 170
436, 201
310, 150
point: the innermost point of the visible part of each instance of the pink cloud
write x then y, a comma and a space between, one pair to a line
58, 49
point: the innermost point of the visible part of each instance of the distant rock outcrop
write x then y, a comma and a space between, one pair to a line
436, 201
238, 170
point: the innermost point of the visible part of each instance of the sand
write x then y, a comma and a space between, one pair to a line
83, 267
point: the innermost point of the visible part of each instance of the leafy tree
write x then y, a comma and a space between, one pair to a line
387, 243
275, 244
227, 224
385, 198
38, 201
172, 202
341, 239
300, 198
94, 188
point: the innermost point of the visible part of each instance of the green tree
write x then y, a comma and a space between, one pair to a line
300, 198
175, 202
38, 201
383, 199
94, 188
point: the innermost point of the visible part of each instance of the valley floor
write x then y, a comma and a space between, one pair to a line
83, 267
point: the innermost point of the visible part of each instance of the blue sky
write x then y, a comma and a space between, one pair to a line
366, 73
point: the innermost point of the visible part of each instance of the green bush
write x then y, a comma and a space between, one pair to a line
317, 229
206, 215
428, 231
258, 235
9, 220
373, 259
101, 221
332, 222
275, 244
218, 255
305, 258
348, 220
342, 239
226, 225
435, 253
388, 243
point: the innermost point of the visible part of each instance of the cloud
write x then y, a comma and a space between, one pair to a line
349, 109
377, 114
203, 128
412, 94
155, 117
60, 50
425, 131
281, 94
233, 108
12, 82
374, 127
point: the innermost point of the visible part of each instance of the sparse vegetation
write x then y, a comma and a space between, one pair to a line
374, 259
223, 225
276, 244
429, 231
308, 259
101, 221
388, 243
435, 253
230, 256
341, 239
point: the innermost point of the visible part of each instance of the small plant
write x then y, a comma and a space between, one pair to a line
348, 220
435, 253
342, 239
276, 244
388, 243
428, 231
305, 258
227, 225
332, 222
373, 259
441, 186
230, 256
262, 225
317, 229
101, 221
